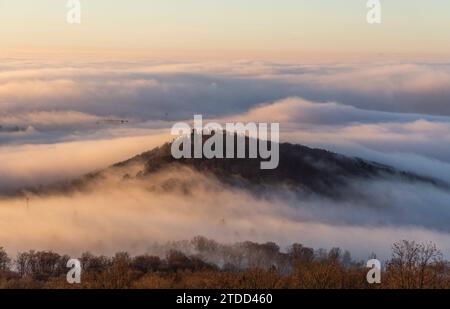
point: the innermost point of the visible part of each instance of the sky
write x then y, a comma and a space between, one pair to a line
220, 27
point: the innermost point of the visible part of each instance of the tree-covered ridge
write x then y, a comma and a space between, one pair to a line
246, 265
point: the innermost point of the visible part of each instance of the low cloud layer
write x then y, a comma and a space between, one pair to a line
132, 215
62, 120
40, 164
412, 142
168, 90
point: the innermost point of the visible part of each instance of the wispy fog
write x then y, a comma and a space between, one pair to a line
180, 203
60, 120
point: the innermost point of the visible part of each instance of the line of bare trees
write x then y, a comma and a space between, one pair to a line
205, 263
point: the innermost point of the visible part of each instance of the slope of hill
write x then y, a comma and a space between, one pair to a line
301, 168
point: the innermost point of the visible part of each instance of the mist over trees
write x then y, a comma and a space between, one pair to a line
205, 263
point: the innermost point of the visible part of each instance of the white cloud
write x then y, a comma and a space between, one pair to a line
354, 109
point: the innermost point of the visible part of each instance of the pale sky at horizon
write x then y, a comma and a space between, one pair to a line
409, 26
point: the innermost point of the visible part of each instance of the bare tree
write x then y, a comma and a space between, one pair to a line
4, 260
412, 262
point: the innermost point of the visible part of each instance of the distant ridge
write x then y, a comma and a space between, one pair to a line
300, 168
